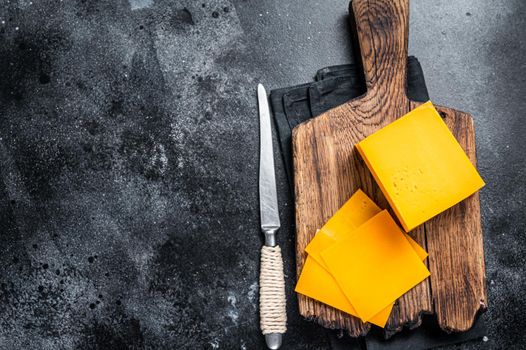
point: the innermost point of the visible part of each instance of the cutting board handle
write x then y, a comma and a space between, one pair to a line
382, 27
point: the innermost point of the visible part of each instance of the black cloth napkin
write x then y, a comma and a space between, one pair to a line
333, 86
427, 336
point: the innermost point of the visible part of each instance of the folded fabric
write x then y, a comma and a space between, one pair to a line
336, 85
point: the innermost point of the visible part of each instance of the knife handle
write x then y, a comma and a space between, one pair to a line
272, 304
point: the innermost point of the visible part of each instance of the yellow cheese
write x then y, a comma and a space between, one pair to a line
422, 254
420, 166
375, 265
315, 281
355, 212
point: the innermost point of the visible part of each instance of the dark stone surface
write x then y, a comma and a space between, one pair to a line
128, 159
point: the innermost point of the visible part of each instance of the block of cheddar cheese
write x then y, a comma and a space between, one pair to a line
419, 165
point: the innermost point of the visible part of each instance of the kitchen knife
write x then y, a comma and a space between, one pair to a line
272, 308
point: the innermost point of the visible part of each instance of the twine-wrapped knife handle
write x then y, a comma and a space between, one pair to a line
272, 305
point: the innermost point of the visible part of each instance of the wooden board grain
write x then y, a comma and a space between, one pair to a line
455, 246
328, 170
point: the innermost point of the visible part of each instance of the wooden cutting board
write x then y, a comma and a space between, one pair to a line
328, 170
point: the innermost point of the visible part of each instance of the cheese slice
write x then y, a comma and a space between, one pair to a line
315, 281
355, 212
375, 265
419, 165
422, 254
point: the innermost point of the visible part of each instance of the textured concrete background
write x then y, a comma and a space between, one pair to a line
128, 160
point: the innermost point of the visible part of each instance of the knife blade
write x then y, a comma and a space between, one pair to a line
268, 198
272, 303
